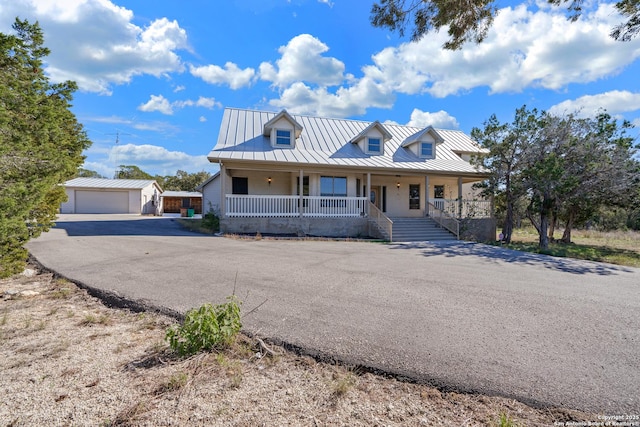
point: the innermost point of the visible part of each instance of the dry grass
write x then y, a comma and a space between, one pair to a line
60, 368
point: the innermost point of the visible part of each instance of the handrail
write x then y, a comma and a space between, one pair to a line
438, 214
383, 222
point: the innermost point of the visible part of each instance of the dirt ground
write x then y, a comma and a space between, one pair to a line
68, 360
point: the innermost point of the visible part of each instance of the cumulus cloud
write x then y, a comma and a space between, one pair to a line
439, 119
301, 60
614, 102
96, 44
230, 75
162, 105
157, 160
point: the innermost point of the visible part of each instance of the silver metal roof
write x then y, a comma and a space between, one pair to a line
129, 184
172, 193
325, 142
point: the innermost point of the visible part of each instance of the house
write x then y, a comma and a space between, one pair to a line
285, 173
113, 196
174, 201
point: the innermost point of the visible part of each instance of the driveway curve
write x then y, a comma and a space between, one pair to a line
460, 316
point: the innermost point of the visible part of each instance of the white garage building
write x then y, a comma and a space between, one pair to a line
112, 196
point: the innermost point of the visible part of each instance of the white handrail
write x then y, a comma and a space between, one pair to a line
444, 219
242, 205
471, 208
383, 222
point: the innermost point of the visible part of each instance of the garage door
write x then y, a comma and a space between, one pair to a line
102, 201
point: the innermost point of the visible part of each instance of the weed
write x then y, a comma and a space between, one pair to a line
258, 235
176, 382
342, 386
92, 319
4, 318
53, 311
505, 421
206, 328
61, 293
130, 414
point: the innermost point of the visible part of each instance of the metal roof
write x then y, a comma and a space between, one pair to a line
171, 193
325, 142
129, 184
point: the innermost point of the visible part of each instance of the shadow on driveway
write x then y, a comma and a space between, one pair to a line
137, 227
494, 253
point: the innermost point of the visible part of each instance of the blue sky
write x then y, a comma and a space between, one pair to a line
154, 76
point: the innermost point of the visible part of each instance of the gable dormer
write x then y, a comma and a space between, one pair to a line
371, 140
423, 144
282, 130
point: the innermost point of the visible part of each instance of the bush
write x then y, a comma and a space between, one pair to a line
211, 221
206, 328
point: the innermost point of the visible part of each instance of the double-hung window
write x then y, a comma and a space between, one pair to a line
333, 186
374, 145
283, 138
426, 149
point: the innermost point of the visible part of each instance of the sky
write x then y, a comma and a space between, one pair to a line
155, 76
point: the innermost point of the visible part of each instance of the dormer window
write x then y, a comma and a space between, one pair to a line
374, 145
283, 138
426, 150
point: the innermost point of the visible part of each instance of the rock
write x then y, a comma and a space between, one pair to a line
29, 272
29, 293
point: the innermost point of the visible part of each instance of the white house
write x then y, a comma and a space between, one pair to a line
100, 195
284, 173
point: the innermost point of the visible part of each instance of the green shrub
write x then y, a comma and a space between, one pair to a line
206, 328
211, 221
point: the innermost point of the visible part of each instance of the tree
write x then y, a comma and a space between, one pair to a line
87, 173
131, 172
470, 20
507, 146
184, 181
41, 143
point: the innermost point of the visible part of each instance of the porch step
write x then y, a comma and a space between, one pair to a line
418, 229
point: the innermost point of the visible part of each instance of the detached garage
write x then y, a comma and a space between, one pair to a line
112, 196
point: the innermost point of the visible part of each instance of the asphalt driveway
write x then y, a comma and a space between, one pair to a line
458, 315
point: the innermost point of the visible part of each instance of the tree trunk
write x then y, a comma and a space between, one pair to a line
552, 226
545, 210
507, 229
566, 236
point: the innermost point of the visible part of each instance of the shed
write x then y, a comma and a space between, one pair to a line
112, 196
173, 201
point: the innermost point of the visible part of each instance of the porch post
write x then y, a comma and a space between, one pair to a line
368, 192
300, 192
223, 197
459, 197
426, 195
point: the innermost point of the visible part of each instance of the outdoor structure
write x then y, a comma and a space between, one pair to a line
113, 196
283, 173
177, 201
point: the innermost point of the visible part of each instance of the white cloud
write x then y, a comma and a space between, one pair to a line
160, 104
179, 88
96, 44
439, 119
154, 159
301, 60
157, 103
202, 119
230, 75
614, 102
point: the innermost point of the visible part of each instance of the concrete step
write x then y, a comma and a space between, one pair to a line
418, 229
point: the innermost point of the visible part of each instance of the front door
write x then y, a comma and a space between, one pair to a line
375, 196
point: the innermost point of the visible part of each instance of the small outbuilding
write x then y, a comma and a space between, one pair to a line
112, 196
176, 201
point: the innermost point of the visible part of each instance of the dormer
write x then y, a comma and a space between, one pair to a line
423, 144
371, 140
282, 130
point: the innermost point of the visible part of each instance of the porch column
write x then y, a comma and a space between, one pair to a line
223, 197
368, 192
426, 195
459, 197
300, 192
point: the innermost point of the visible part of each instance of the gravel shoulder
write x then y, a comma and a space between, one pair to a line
67, 359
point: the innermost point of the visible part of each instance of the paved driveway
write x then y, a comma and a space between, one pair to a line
458, 315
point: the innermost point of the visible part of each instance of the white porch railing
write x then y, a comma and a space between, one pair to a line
444, 219
289, 206
470, 208
383, 222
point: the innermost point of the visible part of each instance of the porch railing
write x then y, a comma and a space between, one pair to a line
289, 206
470, 208
444, 219
383, 222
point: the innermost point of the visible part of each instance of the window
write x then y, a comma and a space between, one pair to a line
426, 149
438, 191
333, 186
283, 137
414, 196
239, 185
374, 145
186, 202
